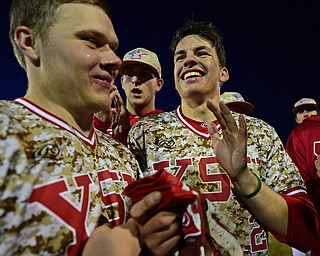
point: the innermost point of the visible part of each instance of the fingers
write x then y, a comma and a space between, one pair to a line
214, 134
113, 92
167, 246
225, 118
214, 108
118, 100
161, 233
242, 125
164, 242
140, 208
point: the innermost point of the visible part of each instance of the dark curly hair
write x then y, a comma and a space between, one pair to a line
204, 29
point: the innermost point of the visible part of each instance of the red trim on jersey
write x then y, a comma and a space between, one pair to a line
302, 235
122, 137
37, 110
136, 118
199, 128
295, 191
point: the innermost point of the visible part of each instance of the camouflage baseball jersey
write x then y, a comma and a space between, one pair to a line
182, 147
55, 183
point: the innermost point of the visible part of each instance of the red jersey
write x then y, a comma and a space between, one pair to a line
303, 146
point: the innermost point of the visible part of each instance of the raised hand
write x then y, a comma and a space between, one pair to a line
106, 117
120, 119
231, 148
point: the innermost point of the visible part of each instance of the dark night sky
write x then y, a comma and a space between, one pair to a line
272, 48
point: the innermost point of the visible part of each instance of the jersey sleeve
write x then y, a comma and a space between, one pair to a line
14, 194
302, 222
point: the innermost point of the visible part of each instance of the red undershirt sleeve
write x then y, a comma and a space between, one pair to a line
303, 222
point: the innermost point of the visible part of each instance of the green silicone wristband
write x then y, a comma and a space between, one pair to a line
256, 191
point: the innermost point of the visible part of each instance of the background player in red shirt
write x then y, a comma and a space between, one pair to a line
303, 146
304, 108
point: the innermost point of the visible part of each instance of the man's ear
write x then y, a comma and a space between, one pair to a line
224, 75
160, 83
25, 40
122, 82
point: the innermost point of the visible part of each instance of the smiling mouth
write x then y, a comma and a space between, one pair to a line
191, 75
102, 81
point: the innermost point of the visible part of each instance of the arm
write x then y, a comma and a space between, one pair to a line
159, 233
269, 207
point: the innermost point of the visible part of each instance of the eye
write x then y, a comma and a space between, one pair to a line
129, 73
179, 58
93, 42
145, 76
202, 53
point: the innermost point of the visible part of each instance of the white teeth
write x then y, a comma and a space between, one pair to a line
190, 74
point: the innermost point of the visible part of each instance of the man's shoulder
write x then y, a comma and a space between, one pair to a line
9, 110
254, 123
315, 120
159, 117
6, 105
308, 124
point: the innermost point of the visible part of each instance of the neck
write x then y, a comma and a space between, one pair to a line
140, 110
198, 111
79, 120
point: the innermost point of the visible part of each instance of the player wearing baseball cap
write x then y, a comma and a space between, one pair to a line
141, 80
303, 146
236, 102
304, 108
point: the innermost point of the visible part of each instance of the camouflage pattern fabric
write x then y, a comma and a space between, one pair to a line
182, 147
55, 183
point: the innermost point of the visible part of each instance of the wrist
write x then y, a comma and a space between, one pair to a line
249, 189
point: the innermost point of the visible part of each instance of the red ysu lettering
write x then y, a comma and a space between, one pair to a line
51, 197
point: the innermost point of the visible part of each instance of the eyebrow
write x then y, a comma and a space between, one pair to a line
90, 32
94, 33
199, 48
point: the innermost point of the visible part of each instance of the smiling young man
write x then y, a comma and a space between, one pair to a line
241, 168
62, 181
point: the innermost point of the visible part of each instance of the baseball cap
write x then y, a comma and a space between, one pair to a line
141, 56
236, 102
305, 103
